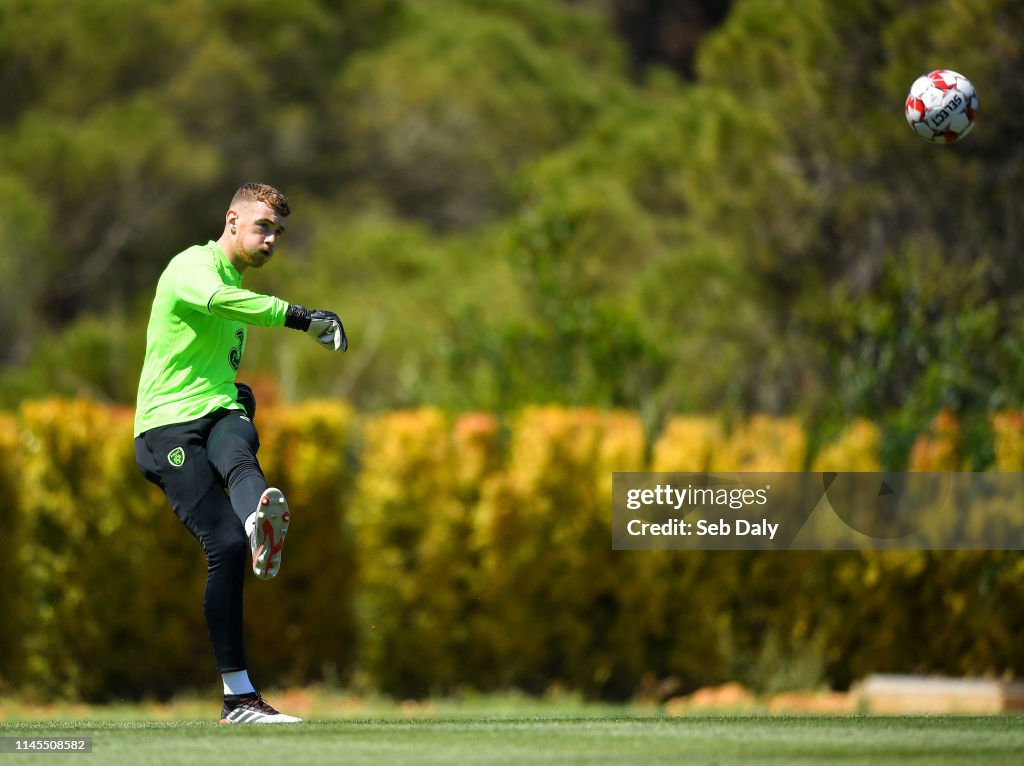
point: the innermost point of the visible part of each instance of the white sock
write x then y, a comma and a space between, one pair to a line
250, 524
237, 682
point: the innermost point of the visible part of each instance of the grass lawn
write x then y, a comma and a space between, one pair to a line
534, 735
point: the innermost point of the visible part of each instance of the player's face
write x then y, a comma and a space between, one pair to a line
258, 229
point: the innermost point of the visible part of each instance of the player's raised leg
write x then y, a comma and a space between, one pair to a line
263, 510
267, 536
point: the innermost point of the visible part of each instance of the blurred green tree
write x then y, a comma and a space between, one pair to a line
509, 211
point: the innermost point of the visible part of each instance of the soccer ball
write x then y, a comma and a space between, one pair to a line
941, 106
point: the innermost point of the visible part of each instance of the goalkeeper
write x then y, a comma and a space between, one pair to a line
194, 425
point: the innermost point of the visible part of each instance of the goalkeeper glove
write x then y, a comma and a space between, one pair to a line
247, 399
324, 327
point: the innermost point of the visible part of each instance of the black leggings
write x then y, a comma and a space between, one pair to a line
193, 463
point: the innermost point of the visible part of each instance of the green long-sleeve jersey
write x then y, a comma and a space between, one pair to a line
196, 337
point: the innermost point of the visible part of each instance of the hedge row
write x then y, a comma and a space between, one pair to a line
433, 553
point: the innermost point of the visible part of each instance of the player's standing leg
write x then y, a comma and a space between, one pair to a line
175, 458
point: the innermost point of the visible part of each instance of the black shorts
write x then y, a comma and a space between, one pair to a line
189, 460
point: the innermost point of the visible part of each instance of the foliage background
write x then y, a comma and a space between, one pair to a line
447, 555
703, 209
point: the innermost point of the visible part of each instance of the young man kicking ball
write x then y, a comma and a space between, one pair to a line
193, 424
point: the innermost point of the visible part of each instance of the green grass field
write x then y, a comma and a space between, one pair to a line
571, 739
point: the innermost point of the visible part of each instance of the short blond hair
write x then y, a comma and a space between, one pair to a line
255, 192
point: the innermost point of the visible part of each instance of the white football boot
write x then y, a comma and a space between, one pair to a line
267, 538
251, 708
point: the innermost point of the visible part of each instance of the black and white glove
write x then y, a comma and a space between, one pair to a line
324, 327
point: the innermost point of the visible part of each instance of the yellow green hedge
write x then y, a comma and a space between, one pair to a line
13, 604
432, 553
